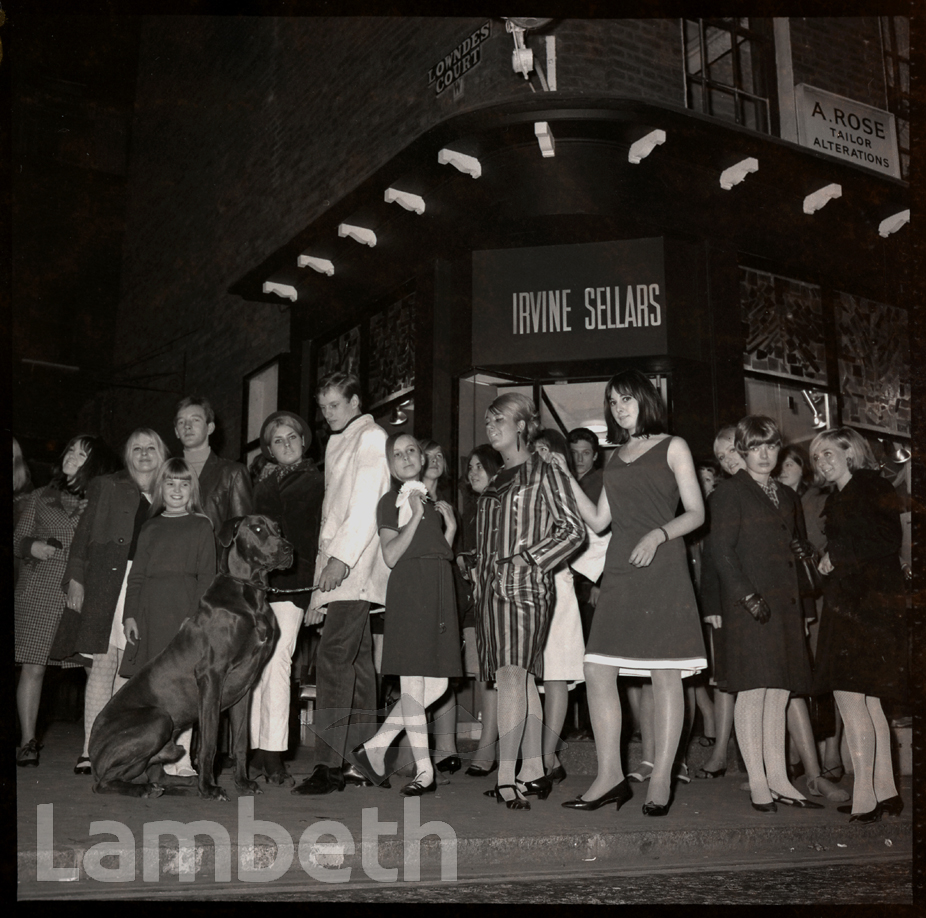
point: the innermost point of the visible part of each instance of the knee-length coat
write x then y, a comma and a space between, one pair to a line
749, 548
100, 554
39, 600
862, 642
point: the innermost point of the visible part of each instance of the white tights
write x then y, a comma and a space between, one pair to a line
418, 692
868, 736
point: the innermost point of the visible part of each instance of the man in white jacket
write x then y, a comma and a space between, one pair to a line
351, 576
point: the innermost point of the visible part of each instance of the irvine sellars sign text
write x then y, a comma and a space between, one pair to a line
561, 302
849, 130
460, 60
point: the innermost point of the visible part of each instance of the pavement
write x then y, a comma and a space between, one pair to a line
70, 838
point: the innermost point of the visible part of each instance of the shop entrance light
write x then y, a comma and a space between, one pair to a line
815, 400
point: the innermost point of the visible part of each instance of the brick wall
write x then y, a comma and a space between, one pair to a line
841, 55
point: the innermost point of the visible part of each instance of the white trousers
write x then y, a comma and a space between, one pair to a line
270, 698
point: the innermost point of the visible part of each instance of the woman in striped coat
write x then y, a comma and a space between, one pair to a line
527, 524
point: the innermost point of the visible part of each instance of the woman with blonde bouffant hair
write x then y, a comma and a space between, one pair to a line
861, 650
527, 525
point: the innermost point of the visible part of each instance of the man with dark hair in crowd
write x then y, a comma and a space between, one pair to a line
351, 578
224, 485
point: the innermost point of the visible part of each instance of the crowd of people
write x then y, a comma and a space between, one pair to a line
555, 571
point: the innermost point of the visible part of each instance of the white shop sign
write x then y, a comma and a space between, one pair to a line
847, 129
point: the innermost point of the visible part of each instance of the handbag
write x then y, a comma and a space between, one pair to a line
809, 579
62, 647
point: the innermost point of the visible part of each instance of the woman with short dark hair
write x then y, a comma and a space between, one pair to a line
754, 523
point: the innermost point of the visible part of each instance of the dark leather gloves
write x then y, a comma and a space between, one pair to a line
802, 549
757, 607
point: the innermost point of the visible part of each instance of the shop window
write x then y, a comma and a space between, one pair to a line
729, 70
261, 398
783, 321
380, 350
895, 38
874, 365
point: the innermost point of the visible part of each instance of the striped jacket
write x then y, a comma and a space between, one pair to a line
533, 511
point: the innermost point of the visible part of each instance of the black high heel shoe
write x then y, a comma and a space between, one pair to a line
519, 803
866, 819
618, 794
893, 806
539, 788
450, 764
558, 775
655, 809
765, 807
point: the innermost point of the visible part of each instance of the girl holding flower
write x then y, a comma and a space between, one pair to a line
421, 641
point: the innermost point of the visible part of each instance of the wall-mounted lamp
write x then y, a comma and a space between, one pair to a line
322, 265
545, 139
283, 290
408, 200
398, 417
736, 173
815, 401
642, 148
901, 454
898, 454
358, 233
893, 223
468, 164
822, 196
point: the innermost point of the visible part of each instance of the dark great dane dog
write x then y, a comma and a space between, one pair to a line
210, 665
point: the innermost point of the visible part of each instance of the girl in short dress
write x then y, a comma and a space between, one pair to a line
173, 566
421, 637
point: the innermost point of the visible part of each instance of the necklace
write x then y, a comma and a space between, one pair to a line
643, 436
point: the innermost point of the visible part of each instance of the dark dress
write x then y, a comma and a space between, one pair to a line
173, 566
749, 548
862, 642
421, 636
647, 617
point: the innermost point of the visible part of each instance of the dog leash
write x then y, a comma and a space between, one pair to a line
296, 590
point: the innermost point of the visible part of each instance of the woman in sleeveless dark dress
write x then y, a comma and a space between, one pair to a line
646, 621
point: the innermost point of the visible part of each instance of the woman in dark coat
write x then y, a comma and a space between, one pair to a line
98, 567
42, 539
861, 651
289, 490
754, 521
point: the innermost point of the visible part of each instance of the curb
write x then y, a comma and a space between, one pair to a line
202, 861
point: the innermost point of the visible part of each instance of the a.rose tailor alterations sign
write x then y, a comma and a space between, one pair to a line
847, 129
568, 302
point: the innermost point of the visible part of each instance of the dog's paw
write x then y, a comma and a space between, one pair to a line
213, 793
153, 790
247, 788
